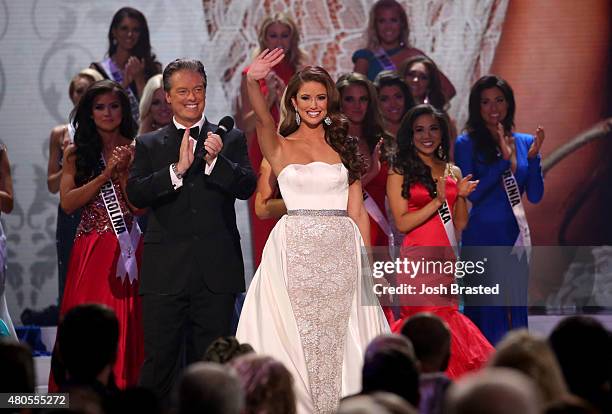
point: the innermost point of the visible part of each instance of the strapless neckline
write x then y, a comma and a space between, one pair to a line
308, 164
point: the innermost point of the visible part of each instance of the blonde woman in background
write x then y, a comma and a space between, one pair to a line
276, 31
388, 43
155, 112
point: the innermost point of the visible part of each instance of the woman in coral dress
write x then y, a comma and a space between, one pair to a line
103, 266
425, 192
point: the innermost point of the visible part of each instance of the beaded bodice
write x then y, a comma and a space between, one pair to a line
94, 216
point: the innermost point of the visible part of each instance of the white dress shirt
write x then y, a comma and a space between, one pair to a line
178, 182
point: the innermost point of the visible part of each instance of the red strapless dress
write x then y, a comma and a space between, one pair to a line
470, 350
91, 278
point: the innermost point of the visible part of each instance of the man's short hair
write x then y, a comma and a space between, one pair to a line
87, 339
492, 391
431, 340
207, 387
193, 65
17, 367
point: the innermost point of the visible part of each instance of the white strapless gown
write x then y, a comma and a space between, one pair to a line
308, 305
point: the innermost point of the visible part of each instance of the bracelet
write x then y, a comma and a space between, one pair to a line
175, 170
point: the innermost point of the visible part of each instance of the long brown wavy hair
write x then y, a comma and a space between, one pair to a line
336, 134
373, 129
408, 163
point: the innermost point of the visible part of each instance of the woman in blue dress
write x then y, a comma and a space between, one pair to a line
507, 164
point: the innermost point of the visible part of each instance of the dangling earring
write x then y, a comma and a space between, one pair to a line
298, 120
114, 41
327, 120
440, 152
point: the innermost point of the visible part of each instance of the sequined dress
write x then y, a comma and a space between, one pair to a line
304, 306
92, 279
470, 350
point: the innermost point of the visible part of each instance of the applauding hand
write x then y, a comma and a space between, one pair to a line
264, 63
124, 155
465, 186
134, 68
213, 145
185, 154
441, 190
534, 150
506, 146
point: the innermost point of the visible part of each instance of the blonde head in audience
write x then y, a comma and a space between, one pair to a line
267, 385
533, 356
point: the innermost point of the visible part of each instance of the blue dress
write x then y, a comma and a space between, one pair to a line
492, 223
374, 65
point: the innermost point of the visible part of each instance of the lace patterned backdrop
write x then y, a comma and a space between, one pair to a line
44, 43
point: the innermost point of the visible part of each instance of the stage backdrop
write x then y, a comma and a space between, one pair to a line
44, 43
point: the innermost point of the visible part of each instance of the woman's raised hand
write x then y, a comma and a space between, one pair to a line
465, 186
505, 142
534, 150
263, 64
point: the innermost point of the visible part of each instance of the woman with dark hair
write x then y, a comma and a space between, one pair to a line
427, 196
103, 266
394, 99
278, 30
359, 103
309, 284
424, 79
129, 60
62, 136
507, 164
387, 43
426, 85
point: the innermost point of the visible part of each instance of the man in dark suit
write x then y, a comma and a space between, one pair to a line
192, 264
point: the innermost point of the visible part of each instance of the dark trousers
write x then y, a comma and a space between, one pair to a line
178, 329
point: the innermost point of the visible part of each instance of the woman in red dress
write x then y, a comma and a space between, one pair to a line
394, 101
276, 31
359, 103
424, 191
103, 266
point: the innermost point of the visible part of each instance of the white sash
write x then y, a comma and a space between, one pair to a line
449, 226
378, 216
115, 74
523, 241
128, 240
71, 132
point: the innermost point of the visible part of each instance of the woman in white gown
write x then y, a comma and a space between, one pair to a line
308, 305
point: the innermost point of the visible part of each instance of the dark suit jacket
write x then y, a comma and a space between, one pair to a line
193, 228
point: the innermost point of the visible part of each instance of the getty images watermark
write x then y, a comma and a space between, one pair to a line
404, 276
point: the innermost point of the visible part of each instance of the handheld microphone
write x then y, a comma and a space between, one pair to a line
226, 124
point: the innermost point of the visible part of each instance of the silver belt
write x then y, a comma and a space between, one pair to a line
305, 212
